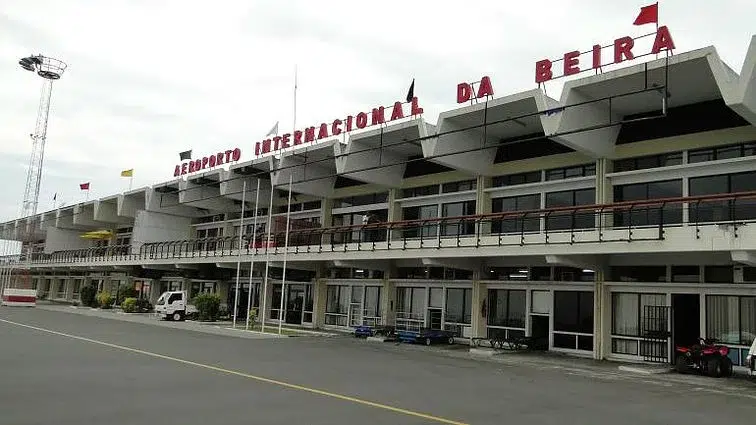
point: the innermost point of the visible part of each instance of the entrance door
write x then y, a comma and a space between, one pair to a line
539, 331
686, 325
294, 304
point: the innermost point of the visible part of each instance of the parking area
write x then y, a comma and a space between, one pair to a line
71, 368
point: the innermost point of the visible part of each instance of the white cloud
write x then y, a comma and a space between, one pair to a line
149, 79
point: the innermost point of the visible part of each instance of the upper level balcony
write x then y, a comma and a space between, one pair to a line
711, 223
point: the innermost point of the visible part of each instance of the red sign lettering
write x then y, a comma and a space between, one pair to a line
376, 116
622, 51
465, 90
210, 161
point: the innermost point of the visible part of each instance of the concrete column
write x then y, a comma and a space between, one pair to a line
69, 282
483, 202
326, 217
479, 298
394, 211
388, 302
604, 190
319, 297
602, 317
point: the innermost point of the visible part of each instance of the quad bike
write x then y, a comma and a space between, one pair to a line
706, 358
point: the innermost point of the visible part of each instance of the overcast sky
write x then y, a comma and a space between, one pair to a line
147, 79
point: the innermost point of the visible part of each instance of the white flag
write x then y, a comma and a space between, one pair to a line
274, 130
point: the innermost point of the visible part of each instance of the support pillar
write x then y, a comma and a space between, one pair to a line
394, 213
602, 316
388, 302
326, 217
319, 297
483, 202
479, 299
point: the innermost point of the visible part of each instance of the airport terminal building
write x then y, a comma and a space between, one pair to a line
612, 223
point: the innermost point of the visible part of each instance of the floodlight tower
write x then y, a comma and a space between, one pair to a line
49, 69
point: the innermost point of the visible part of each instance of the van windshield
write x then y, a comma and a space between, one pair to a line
161, 300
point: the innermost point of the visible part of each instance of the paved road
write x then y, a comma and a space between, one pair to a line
71, 369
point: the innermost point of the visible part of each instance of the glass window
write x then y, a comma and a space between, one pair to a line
436, 297
458, 305
458, 209
718, 274
573, 311
651, 215
731, 319
373, 301
571, 172
540, 302
506, 308
516, 223
712, 211
626, 311
459, 186
639, 273
516, 179
568, 220
686, 274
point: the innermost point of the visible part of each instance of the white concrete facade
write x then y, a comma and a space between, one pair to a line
568, 220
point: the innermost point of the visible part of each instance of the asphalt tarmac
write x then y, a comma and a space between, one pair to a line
62, 368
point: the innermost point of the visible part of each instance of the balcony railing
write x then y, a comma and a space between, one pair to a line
618, 222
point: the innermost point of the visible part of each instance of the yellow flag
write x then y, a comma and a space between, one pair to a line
127, 173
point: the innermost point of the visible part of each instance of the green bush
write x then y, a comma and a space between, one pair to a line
252, 316
129, 305
104, 300
126, 292
87, 295
208, 306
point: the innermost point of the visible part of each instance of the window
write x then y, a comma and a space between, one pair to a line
571, 172
718, 274
648, 216
713, 211
516, 179
354, 201
337, 304
629, 315
646, 162
420, 213
540, 302
731, 319
573, 315
458, 305
420, 191
686, 274
516, 224
639, 273
459, 186
410, 303
569, 219
456, 227
506, 308
372, 301
722, 152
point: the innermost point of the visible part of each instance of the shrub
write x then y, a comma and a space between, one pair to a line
129, 305
208, 306
104, 300
143, 305
252, 316
87, 295
126, 292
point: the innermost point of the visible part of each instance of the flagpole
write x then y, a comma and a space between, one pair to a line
131, 180
286, 251
86, 197
295, 100
252, 259
267, 256
238, 257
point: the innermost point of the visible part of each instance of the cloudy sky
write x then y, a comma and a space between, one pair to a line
147, 79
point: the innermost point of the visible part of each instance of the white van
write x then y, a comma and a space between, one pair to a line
751, 359
174, 305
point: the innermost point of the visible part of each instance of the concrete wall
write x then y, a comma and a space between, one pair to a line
152, 226
64, 239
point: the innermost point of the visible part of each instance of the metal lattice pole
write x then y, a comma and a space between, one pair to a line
49, 69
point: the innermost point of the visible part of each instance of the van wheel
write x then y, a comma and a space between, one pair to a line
177, 316
428, 341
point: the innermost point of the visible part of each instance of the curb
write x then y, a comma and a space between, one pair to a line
644, 370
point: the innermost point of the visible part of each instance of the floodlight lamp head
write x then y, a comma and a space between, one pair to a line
47, 68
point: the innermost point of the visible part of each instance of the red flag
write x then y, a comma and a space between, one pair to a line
84, 186
648, 14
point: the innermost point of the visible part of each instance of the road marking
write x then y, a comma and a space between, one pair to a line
246, 375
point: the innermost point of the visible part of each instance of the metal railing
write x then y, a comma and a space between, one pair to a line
644, 220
